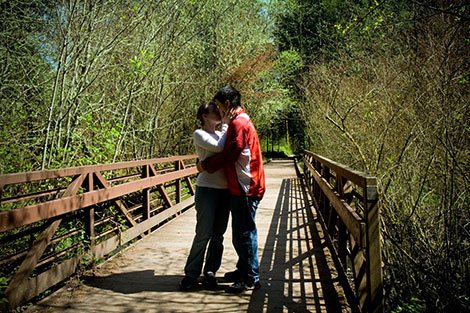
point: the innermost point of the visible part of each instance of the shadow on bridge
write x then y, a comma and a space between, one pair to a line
135, 282
295, 268
295, 260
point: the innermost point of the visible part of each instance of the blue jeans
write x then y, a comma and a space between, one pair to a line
212, 213
245, 235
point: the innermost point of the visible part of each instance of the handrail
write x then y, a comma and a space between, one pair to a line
101, 206
15, 178
347, 202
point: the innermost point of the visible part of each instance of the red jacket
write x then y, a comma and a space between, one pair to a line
241, 158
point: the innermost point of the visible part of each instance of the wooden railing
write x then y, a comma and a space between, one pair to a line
52, 222
347, 203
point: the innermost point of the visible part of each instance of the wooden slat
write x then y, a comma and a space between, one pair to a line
32, 195
374, 255
36, 285
190, 185
366, 250
13, 257
146, 194
22, 288
164, 194
157, 219
114, 179
350, 294
178, 166
89, 214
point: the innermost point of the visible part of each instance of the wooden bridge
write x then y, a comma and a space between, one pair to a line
318, 234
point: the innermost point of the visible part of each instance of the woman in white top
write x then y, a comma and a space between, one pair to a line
211, 202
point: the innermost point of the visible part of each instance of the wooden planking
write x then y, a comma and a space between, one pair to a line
145, 277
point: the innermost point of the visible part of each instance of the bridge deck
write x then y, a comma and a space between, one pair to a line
297, 274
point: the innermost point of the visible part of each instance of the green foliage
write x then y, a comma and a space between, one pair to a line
3, 287
388, 101
414, 306
297, 26
287, 67
23, 84
111, 81
379, 85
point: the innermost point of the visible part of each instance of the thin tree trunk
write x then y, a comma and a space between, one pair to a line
51, 107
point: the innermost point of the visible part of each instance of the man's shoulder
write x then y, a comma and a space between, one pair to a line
241, 119
243, 115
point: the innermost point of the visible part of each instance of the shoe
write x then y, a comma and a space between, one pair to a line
209, 280
188, 283
243, 286
232, 276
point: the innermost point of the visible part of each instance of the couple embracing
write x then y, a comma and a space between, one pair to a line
230, 181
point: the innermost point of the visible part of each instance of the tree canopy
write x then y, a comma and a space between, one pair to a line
382, 86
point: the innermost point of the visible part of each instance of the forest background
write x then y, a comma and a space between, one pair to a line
381, 86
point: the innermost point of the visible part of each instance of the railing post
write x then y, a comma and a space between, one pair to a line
374, 256
325, 203
342, 231
178, 183
145, 194
90, 214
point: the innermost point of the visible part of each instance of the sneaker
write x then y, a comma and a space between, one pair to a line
232, 276
243, 286
209, 280
188, 283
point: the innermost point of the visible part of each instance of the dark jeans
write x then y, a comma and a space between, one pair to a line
245, 235
212, 209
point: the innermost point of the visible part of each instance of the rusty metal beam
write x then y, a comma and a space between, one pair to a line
356, 177
34, 213
104, 184
37, 250
16, 178
350, 218
364, 231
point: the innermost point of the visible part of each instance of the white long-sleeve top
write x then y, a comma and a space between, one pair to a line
208, 145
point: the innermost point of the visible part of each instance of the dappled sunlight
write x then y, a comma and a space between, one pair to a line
295, 265
296, 270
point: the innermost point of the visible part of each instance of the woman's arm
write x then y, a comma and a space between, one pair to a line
204, 140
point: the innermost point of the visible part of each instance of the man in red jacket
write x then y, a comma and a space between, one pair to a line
243, 164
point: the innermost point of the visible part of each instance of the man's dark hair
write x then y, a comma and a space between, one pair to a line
229, 93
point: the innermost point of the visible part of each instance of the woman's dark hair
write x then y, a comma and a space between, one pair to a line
229, 93
205, 108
